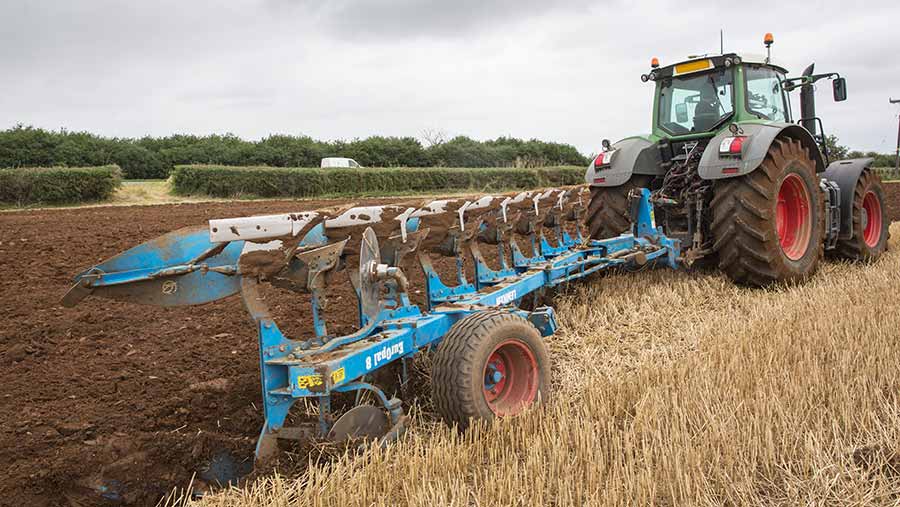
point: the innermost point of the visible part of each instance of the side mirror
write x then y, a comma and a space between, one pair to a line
681, 115
839, 86
606, 144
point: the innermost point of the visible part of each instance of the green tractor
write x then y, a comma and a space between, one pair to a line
735, 179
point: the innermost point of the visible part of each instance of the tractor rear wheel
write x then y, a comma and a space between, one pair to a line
870, 226
607, 214
490, 363
768, 225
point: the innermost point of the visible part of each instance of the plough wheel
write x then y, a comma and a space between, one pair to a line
607, 214
490, 363
769, 225
870, 226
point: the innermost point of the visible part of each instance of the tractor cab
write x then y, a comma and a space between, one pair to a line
698, 97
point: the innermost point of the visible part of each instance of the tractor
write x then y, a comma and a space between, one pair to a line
735, 179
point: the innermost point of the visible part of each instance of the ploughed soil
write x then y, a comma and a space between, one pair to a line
892, 199
111, 402
117, 402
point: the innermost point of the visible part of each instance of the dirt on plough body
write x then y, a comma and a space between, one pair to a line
121, 403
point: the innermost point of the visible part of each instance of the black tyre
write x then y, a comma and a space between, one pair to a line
768, 225
607, 214
870, 225
490, 363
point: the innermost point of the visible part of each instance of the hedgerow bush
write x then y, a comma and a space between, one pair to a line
888, 173
33, 147
154, 157
58, 185
221, 181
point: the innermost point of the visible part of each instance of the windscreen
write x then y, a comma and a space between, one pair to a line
696, 102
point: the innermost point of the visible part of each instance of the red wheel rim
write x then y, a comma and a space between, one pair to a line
510, 378
871, 219
793, 217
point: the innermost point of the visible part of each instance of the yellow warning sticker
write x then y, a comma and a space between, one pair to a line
309, 381
338, 375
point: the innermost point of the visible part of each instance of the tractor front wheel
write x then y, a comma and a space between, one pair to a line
870, 226
768, 225
490, 363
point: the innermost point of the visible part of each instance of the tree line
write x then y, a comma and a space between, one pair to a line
837, 151
154, 157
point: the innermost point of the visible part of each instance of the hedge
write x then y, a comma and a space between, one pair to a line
221, 181
154, 157
58, 185
888, 173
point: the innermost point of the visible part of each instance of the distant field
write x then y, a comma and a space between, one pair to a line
148, 192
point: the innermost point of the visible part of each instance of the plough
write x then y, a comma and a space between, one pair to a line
490, 359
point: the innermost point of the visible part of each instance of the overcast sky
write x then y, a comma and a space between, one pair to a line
561, 71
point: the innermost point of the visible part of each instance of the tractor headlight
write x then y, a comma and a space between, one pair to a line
644, 78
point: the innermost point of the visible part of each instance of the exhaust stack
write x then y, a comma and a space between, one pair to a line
808, 103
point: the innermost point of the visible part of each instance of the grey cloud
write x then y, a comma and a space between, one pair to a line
403, 19
350, 68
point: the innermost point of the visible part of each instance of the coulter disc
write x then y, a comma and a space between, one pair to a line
369, 287
363, 421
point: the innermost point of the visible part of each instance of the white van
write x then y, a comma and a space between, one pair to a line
339, 162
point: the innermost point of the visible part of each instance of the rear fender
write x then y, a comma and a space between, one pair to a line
634, 155
846, 174
760, 137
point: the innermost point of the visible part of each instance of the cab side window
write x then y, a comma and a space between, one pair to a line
765, 96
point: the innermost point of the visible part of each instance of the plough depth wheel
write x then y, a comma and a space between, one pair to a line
491, 363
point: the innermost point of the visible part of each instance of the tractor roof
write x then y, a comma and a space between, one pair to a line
705, 62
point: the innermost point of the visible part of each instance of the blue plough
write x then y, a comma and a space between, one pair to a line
299, 252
